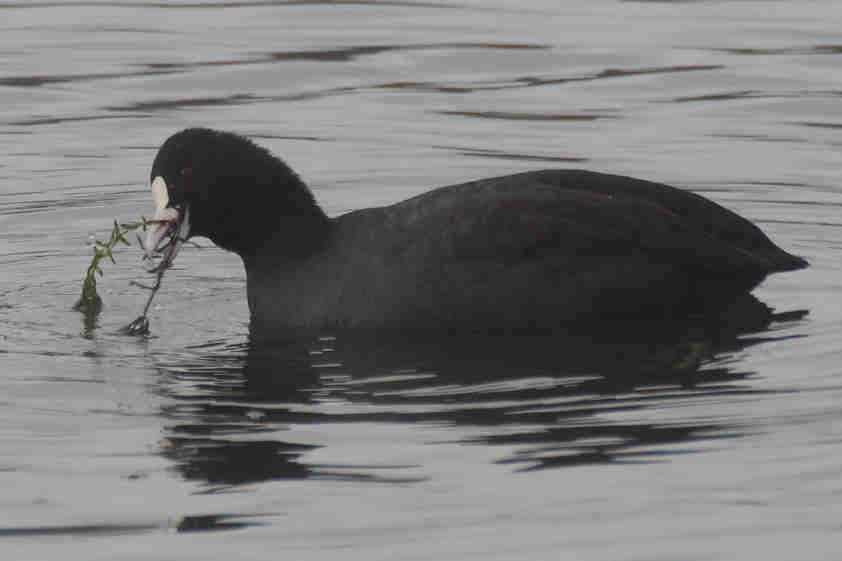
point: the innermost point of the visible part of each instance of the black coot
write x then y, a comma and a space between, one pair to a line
530, 250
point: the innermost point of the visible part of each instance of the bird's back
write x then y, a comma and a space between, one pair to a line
529, 250
539, 248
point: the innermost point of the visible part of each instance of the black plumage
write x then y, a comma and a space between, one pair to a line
535, 249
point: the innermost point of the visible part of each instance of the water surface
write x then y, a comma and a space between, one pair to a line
703, 440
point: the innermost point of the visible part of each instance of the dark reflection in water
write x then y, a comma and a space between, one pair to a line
142, 109
545, 394
810, 50
59, 120
524, 116
500, 154
34, 81
198, 523
819, 125
326, 55
341, 54
211, 4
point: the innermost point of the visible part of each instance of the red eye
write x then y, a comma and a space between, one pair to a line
187, 173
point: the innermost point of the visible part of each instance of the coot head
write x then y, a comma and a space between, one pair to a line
225, 187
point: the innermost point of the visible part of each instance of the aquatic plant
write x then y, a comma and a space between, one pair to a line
90, 302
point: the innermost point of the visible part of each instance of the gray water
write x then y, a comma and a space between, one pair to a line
699, 442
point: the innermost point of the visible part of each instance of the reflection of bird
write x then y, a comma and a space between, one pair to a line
541, 395
528, 250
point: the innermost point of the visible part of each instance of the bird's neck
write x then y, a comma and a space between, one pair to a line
277, 296
293, 241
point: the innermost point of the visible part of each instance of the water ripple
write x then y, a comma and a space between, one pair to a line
552, 408
523, 116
